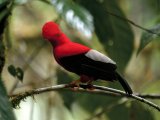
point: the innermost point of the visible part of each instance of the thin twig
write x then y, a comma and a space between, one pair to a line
149, 96
97, 89
131, 22
128, 96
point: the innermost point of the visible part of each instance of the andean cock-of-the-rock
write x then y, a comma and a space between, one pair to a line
88, 63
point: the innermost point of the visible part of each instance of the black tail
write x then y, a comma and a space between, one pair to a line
124, 84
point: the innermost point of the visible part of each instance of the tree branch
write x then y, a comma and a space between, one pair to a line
131, 22
16, 99
149, 96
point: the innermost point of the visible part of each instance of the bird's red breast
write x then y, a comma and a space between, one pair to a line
69, 49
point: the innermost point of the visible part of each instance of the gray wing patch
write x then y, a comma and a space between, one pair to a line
97, 56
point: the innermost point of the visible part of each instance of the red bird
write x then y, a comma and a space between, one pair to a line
89, 64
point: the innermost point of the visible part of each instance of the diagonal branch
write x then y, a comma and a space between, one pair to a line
129, 96
149, 96
16, 99
131, 22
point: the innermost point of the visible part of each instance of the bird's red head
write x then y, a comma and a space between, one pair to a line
50, 30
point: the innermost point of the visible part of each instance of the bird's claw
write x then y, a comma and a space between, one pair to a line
75, 85
87, 87
90, 87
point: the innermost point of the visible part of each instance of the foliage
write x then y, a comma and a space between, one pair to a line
115, 34
16, 72
79, 19
133, 111
5, 107
148, 37
75, 15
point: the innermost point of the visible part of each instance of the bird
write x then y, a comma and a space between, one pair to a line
89, 64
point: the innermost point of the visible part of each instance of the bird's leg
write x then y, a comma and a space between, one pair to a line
83, 79
75, 84
89, 84
88, 80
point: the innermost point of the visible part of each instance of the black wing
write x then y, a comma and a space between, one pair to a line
96, 65
92, 64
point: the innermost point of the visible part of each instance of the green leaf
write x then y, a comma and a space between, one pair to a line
152, 87
114, 33
91, 102
3, 5
147, 37
152, 6
19, 73
16, 72
5, 106
12, 70
118, 112
4, 13
140, 112
135, 111
75, 15
20, 2
3, 2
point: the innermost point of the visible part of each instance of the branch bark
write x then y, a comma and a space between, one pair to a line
16, 99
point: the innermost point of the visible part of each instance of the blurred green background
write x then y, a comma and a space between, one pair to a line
100, 24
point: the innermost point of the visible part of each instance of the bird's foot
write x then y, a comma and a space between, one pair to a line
88, 81
90, 87
87, 86
75, 85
